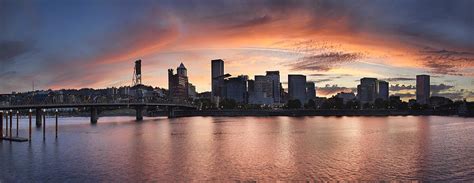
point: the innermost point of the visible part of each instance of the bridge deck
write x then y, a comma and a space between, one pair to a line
45, 106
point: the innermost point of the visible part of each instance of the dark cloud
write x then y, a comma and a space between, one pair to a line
254, 22
324, 61
456, 94
110, 32
446, 23
451, 95
435, 89
317, 75
398, 87
321, 80
446, 61
331, 75
399, 79
7, 74
332, 90
12, 49
70, 69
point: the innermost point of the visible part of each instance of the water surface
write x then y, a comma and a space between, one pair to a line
245, 149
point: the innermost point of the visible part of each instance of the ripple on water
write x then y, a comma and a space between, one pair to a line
245, 149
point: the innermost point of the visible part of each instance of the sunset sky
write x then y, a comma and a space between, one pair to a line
77, 44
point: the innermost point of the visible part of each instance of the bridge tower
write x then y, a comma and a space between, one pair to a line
137, 73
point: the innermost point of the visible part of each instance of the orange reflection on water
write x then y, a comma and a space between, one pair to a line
257, 148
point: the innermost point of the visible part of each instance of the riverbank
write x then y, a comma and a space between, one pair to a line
276, 112
305, 112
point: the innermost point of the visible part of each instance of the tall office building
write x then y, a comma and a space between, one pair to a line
274, 76
178, 84
264, 84
236, 89
250, 85
422, 89
310, 91
192, 91
367, 91
217, 79
383, 90
297, 87
262, 90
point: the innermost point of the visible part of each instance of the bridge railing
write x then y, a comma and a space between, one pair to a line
80, 104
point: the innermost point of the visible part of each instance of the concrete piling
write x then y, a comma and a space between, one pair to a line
29, 126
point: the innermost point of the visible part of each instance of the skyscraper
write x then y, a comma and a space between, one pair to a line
192, 91
178, 84
217, 79
274, 76
250, 85
236, 88
367, 91
297, 87
310, 91
262, 90
383, 90
264, 84
422, 89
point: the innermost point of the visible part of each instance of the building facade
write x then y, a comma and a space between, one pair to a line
217, 79
264, 84
297, 87
178, 84
367, 90
383, 90
310, 91
422, 89
346, 97
236, 89
192, 91
274, 76
262, 90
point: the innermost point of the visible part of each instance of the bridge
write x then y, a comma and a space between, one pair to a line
139, 107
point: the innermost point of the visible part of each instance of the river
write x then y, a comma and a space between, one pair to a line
119, 149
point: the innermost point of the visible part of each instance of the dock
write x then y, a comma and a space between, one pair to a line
16, 139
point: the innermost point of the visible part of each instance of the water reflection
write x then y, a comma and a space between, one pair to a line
246, 149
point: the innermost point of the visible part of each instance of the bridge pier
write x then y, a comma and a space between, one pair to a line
94, 116
38, 117
1, 125
171, 112
139, 113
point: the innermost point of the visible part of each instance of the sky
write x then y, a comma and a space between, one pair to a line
93, 44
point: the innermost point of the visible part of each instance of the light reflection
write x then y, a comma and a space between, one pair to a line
250, 148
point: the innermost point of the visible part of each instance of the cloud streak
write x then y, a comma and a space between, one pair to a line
11, 49
446, 61
324, 61
330, 90
399, 79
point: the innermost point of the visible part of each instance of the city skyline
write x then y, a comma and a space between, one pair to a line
334, 50
236, 90
265, 89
